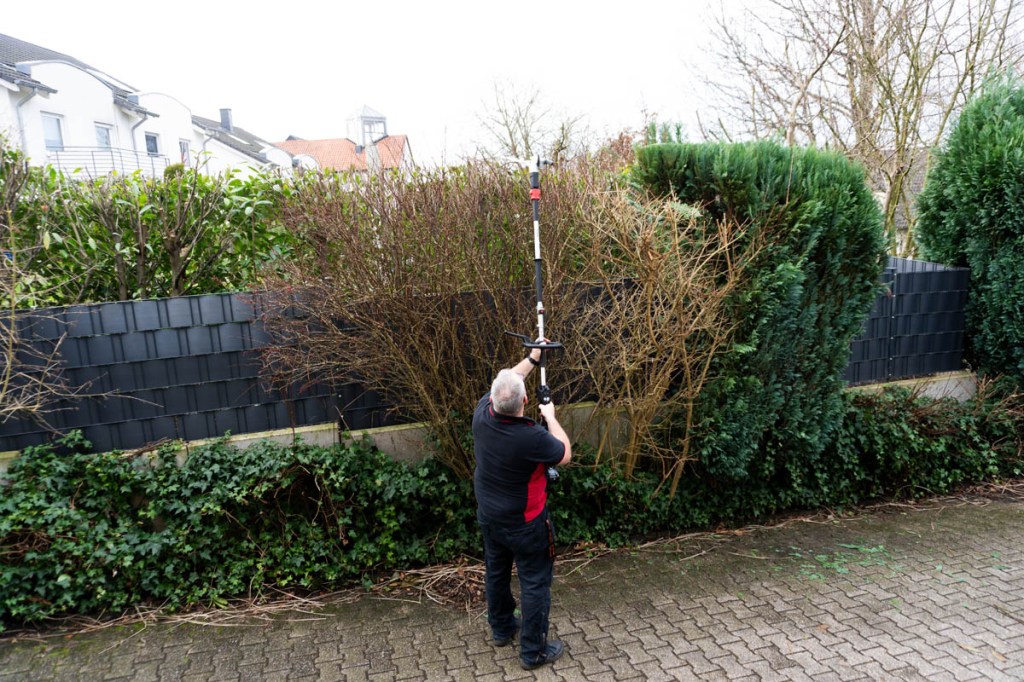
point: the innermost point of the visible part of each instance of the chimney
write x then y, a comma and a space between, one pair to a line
225, 119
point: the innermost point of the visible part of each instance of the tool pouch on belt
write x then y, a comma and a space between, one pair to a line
551, 539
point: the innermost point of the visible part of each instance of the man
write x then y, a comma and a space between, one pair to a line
513, 454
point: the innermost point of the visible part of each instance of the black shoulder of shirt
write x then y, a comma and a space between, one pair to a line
504, 418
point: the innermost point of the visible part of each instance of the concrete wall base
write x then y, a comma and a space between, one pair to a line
584, 422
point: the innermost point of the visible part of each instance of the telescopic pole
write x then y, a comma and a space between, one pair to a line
543, 390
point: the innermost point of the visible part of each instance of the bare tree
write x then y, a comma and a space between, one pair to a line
31, 381
31, 376
878, 79
412, 281
665, 276
521, 124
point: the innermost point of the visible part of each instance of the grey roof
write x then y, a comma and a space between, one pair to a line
12, 75
14, 50
366, 111
237, 138
123, 99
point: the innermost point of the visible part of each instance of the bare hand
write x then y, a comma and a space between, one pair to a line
547, 411
535, 352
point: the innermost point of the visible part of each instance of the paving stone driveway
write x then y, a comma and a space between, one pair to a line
903, 594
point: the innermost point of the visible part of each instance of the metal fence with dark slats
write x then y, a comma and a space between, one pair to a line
914, 329
174, 368
188, 368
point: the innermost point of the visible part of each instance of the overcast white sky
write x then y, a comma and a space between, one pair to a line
302, 67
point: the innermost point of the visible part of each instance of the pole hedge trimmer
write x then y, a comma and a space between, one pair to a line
543, 390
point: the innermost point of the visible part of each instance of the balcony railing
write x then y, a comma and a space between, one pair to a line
99, 161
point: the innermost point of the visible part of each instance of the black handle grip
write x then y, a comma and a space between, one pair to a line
530, 343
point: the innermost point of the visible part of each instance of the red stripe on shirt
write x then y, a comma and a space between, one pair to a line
536, 493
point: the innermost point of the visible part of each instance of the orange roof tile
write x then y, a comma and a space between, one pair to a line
340, 153
392, 150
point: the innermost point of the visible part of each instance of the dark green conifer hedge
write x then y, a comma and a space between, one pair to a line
778, 404
971, 213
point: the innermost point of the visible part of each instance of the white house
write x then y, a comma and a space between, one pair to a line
61, 111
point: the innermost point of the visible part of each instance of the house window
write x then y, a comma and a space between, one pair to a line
53, 132
152, 144
103, 135
183, 148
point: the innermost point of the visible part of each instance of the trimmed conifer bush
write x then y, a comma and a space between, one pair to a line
777, 403
971, 213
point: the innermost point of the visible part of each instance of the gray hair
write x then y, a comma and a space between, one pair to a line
507, 392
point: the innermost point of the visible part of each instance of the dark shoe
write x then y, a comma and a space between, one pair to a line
552, 653
505, 641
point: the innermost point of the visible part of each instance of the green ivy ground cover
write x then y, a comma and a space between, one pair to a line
100, 533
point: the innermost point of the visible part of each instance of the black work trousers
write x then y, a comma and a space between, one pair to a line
531, 547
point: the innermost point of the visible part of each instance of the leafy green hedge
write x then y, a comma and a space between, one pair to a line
816, 276
101, 532
88, 533
888, 444
971, 213
129, 236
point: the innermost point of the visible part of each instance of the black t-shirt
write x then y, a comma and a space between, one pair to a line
512, 457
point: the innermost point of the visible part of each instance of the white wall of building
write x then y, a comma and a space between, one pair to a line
82, 101
216, 158
278, 157
172, 125
10, 95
